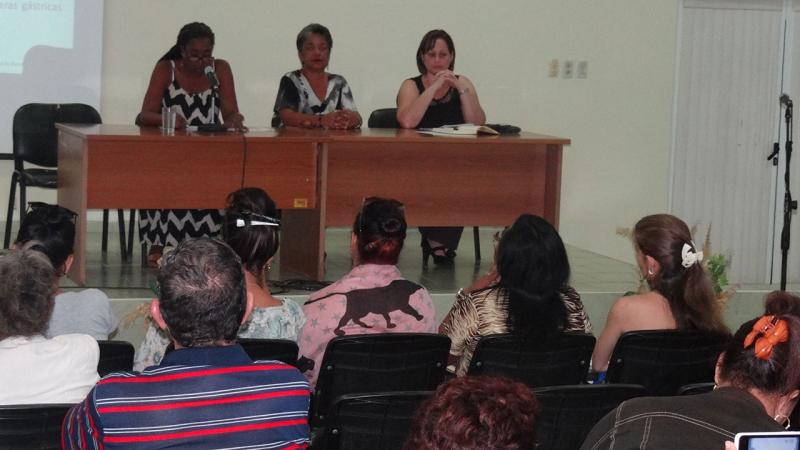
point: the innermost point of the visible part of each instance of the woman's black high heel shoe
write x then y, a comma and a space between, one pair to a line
445, 256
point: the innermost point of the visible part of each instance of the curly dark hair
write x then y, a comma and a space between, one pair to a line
780, 373
28, 285
254, 244
472, 413
202, 293
188, 32
53, 227
380, 230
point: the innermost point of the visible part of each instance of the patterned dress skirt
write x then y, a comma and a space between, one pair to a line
168, 227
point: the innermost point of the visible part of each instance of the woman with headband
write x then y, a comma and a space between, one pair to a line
251, 229
757, 381
681, 295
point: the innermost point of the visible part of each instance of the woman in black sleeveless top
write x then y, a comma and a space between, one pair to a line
434, 98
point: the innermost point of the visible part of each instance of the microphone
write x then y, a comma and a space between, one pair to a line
785, 100
212, 77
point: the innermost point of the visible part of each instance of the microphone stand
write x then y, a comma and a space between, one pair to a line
213, 127
789, 205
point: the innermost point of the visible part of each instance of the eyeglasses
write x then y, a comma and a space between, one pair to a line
32, 206
370, 200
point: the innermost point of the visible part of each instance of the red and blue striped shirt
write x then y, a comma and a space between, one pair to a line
199, 398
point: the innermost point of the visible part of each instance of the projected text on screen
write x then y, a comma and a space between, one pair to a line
27, 24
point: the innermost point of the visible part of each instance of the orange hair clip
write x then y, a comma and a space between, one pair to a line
773, 331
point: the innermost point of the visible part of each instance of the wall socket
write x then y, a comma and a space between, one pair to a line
568, 70
583, 69
552, 68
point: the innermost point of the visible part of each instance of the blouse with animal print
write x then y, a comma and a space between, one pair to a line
370, 299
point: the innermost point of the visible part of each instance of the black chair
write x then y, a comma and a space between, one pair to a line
541, 360
35, 141
115, 356
374, 420
387, 362
31, 427
568, 413
663, 361
696, 388
282, 350
383, 118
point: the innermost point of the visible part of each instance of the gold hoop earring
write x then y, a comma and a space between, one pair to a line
783, 420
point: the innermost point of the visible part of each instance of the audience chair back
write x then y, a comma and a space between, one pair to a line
387, 362
383, 118
568, 413
35, 141
550, 360
663, 361
31, 427
374, 420
115, 356
282, 350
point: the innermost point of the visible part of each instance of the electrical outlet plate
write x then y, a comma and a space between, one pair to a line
583, 69
552, 70
568, 70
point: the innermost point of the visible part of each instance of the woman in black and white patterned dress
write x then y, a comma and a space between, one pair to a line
311, 97
179, 80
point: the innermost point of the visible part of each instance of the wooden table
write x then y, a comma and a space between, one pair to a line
318, 178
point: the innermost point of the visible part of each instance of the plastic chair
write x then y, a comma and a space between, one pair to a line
383, 118
35, 141
386, 362
115, 356
31, 427
374, 420
568, 413
282, 350
663, 361
550, 360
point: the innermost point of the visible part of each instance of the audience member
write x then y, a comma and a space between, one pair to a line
436, 97
310, 97
526, 292
207, 393
757, 387
681, 295
373, 297
36, 369
251, 229
87, 311
476, 413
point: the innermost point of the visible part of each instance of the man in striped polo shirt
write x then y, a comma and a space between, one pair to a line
206, 394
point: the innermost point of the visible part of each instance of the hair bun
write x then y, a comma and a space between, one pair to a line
391, 226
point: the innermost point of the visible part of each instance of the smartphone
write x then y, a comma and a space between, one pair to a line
779, 440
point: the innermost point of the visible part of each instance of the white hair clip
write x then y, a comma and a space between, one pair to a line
255, 223
690, 256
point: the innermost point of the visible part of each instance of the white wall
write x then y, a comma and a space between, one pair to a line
619, 119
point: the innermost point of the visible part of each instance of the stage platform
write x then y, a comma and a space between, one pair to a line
599, 279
